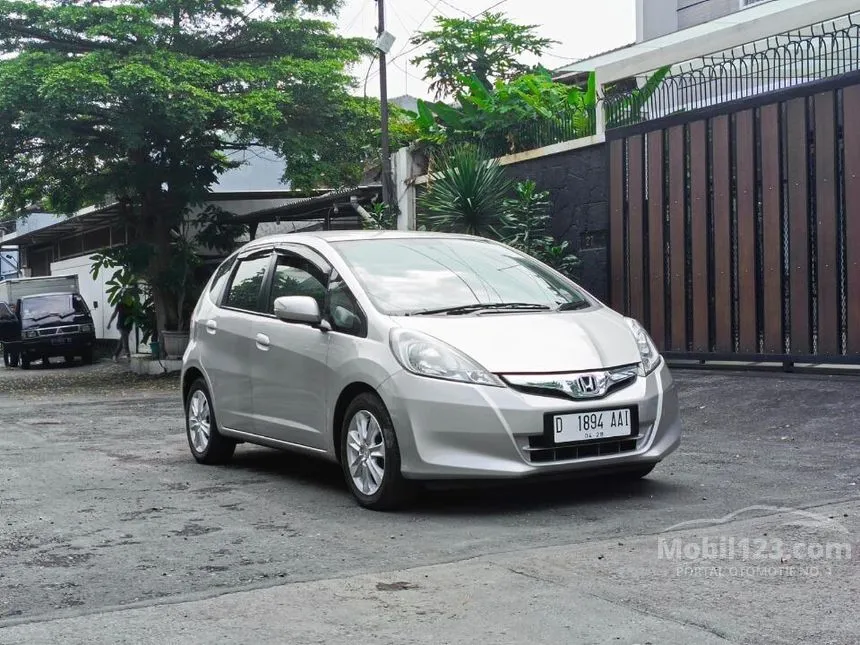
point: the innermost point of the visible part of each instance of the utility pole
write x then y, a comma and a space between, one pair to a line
383, 48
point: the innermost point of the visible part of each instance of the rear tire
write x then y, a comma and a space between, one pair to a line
370, 455
14, 359
25, 362
208, 446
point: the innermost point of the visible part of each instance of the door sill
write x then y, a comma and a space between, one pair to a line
269, 442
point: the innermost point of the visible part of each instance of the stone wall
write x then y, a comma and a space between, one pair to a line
578, 184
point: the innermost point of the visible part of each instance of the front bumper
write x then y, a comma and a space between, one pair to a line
450, 430
56, 345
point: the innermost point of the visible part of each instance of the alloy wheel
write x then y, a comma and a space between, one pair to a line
365, 452
199, 421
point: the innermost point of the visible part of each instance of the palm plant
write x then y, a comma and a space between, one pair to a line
466, 192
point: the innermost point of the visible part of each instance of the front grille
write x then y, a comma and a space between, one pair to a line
540, 453
53, 331
565, 386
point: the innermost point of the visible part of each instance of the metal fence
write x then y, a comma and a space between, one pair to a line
735, 233
814, 53
537, 133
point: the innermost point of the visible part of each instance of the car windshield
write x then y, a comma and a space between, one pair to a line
412, 276
52, 306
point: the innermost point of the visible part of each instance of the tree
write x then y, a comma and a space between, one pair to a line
488, 48
140, 103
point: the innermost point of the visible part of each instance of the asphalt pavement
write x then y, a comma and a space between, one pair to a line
111, 533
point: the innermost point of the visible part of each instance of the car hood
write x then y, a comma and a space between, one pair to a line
536, 342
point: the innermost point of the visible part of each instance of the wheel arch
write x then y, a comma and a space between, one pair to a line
343, 400
191, 375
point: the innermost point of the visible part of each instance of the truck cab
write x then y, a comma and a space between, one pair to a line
47, 325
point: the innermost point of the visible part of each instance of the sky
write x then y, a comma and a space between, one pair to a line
581, 27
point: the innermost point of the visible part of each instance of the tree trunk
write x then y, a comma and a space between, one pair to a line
159, 226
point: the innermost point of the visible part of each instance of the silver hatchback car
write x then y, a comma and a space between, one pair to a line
408, 356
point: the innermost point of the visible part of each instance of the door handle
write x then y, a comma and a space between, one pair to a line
211, 326
263, 342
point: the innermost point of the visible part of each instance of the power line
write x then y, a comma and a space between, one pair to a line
399, 19
454, 7
409, 51
357, 15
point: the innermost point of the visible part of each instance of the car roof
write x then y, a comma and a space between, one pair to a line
349, 235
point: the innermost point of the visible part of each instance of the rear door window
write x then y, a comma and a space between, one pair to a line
244, 291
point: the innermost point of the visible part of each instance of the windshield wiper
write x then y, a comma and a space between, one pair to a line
467, 309
572, 306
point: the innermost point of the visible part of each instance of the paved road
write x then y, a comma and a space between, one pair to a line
103, 508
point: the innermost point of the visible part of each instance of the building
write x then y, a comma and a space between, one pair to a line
49, 244
656, 18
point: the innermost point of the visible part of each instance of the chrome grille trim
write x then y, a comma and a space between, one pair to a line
574, 385
53, 331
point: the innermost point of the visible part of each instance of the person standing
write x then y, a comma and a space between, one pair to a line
122, 314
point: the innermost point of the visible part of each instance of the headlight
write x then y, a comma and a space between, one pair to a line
30, 334
87, 329
427, 356
647, 349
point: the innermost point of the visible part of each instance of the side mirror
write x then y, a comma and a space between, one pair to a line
298, 309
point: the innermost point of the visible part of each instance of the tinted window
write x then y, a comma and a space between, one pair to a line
80, 306
245, 289
222, 274
296, 276
344, 313
418, 274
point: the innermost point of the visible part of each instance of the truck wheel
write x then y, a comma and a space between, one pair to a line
25, 362
13, 359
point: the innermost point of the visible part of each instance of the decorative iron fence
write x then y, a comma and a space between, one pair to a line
537, 133
814, 53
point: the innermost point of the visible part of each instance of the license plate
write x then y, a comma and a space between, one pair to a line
60, 341
592, 426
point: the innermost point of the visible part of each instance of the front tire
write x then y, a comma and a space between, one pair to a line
208, 446
25, 362
370, 455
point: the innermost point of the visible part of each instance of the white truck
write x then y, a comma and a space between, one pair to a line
12, 290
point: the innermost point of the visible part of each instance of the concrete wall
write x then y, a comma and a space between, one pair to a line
655, 18
695, 12
579, 191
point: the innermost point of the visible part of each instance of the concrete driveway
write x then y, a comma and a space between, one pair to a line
110, 533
